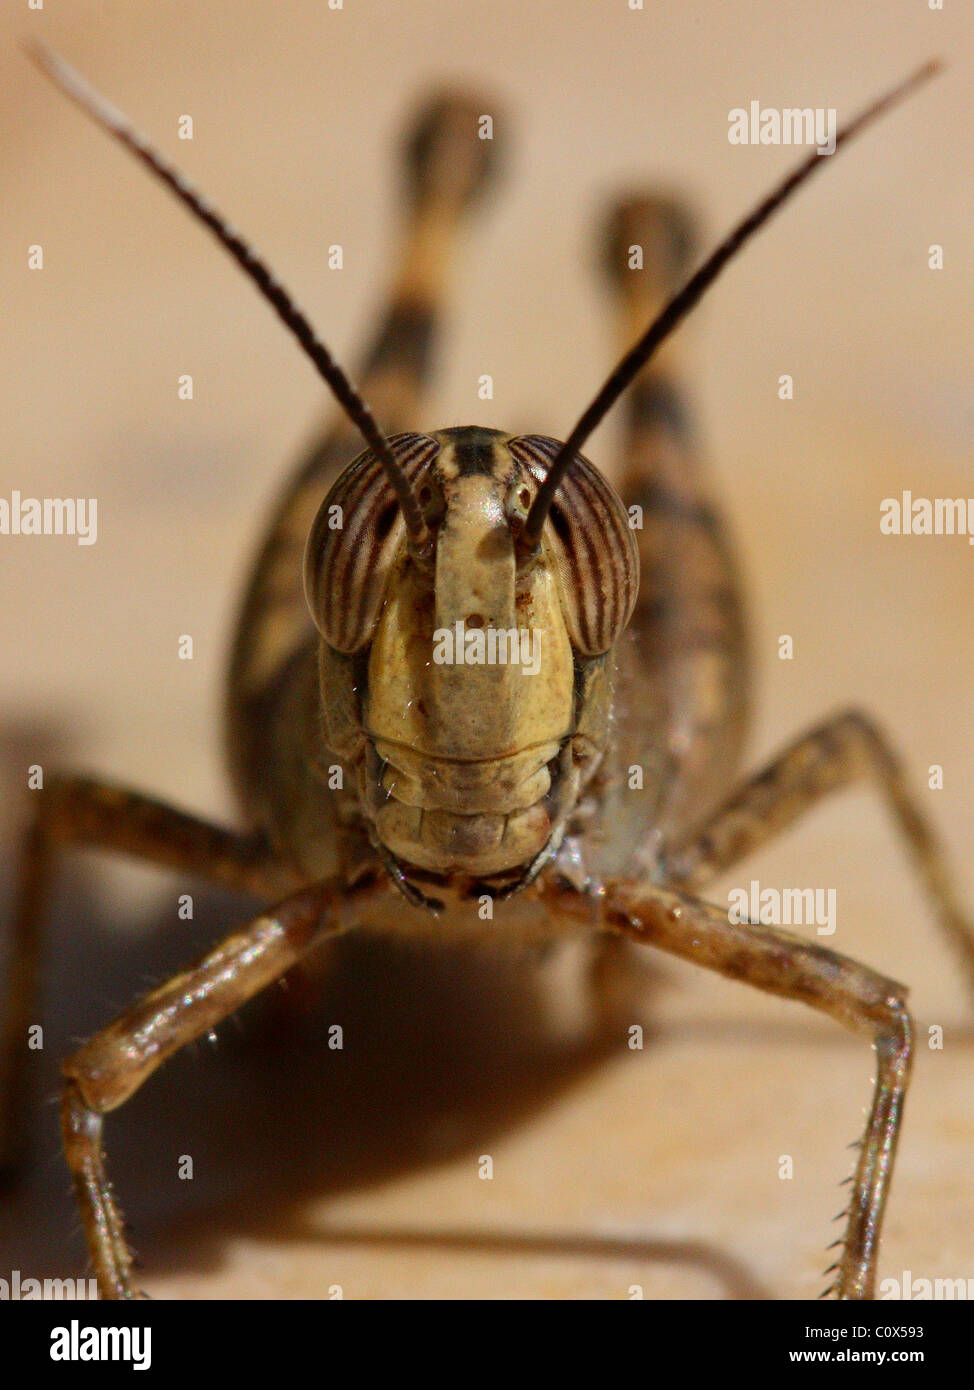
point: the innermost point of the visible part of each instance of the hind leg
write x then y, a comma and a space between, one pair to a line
446, 166
688, 623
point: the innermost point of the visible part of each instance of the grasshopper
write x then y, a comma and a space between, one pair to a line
473, 629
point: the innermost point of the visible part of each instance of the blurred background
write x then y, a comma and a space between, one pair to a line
656, 1168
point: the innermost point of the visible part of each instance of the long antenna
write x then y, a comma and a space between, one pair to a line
686, 298
117, 124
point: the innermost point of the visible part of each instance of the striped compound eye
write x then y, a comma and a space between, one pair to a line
354, 541
589, 537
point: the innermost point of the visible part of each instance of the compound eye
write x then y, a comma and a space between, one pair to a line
591, 542
355, 539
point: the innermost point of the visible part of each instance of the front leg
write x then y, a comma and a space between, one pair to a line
115, 1062
839, 751
780, 963
92, 814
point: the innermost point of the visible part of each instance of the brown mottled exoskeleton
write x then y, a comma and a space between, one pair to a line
466, 777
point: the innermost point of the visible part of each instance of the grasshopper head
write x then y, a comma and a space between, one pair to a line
468, 680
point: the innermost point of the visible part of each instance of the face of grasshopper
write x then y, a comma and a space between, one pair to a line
468, 682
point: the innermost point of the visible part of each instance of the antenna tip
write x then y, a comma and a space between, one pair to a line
39, 53
931, 68
51, 64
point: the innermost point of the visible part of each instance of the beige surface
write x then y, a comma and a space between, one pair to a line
659, 1168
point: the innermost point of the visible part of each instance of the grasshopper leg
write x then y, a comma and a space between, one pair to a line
688, 624
446, 167
854, 995
98, 815
113, 1064
841, 750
